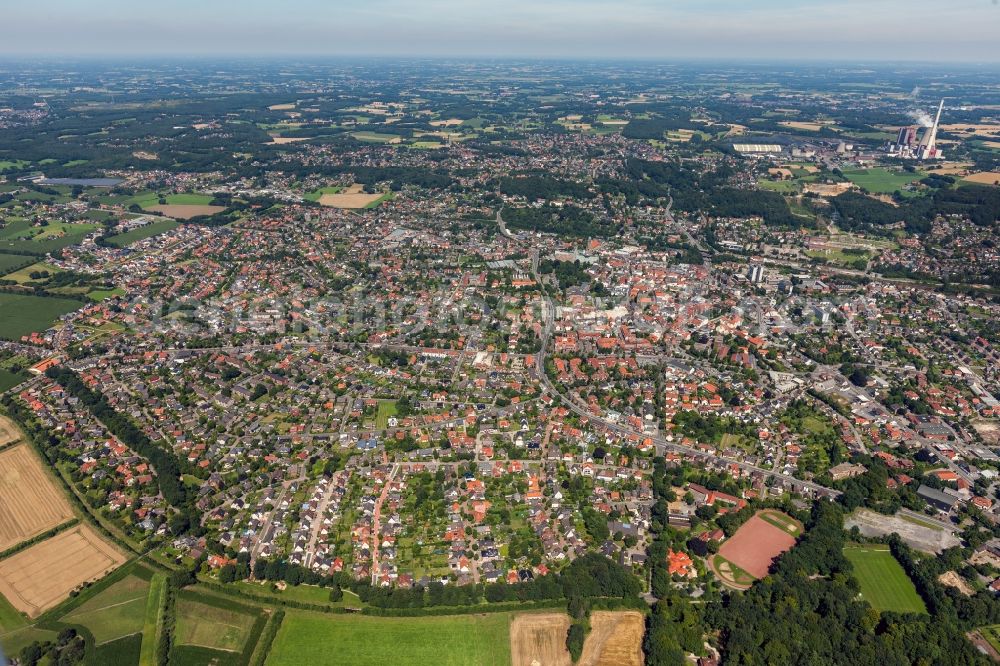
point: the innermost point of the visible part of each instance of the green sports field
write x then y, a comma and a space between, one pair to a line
459, 640
21, 314
884, 584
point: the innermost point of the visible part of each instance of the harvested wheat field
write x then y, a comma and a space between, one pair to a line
615, 639
352, 197
8, 431
951, 168
984, 178
539, 639
30, 502
282, 140
41, 576
186, 211
799, 125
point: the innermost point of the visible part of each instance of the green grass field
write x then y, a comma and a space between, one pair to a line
992, 635
782, 521
460, 640
778, 185
150, 199
151, 619
882, 181
202, 625
8, 380
316, 194
310, 594
21, 236
99, 295
21, 314
378, 202
10, 619
375, 137
11, 262
114, 613
839, 257
736, 575
122, 652
15, 631
6, 165
386, 408
140, 233
884, 584
24, 275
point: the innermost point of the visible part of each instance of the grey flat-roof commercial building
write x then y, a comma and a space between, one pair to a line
936, 498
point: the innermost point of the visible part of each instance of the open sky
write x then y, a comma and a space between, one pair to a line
956, 30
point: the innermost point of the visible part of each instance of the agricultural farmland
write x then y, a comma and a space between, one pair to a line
115, 612
615, 639
21, 236
203, 625
882, 181
30, 503
21, 314
41, 576
9, 432
460, 640
141, 233
884, 584
539, 638
351, 198
12, 262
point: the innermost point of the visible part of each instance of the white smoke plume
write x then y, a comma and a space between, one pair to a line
916, 92
921, 117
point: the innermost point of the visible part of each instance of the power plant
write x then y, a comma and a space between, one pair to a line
908, 148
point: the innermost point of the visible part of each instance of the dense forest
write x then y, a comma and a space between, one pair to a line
534, 187
981, 204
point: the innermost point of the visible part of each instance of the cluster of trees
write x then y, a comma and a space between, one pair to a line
981, 204
693, 191
68, 649
655, 127
565, 221
534, 187
711, 427
568, 273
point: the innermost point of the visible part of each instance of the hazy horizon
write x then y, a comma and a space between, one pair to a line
767, 30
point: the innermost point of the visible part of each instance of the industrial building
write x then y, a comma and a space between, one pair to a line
908, 148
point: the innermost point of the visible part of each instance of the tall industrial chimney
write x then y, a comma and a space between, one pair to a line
928, 144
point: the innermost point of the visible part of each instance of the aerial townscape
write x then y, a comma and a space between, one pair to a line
498, 361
